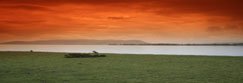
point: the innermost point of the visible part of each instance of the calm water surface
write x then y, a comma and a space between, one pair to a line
178, 50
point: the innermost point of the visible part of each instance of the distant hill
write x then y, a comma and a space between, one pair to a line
77, 42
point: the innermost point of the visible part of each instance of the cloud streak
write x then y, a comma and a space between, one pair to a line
230, 8
25, 7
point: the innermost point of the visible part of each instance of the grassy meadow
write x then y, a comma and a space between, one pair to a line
41, 67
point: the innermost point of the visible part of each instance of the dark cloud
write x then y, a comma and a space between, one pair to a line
229, 8
226, 28
47, 2
21, 21
26, 31
214, 28
233, 27
4, 29
118, 18
25, 7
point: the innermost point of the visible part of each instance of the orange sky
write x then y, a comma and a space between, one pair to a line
165, 21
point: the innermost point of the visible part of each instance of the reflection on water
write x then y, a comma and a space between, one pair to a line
184, 50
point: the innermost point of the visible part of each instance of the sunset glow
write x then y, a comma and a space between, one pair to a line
165, 21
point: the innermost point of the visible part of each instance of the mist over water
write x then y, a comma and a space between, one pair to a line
178, 50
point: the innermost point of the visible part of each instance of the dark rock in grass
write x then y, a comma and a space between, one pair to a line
102, 55
81, 55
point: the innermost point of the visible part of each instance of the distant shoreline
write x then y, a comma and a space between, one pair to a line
139, 44
120, 53
234, 44
114, 42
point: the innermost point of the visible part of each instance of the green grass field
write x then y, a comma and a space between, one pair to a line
26, 67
